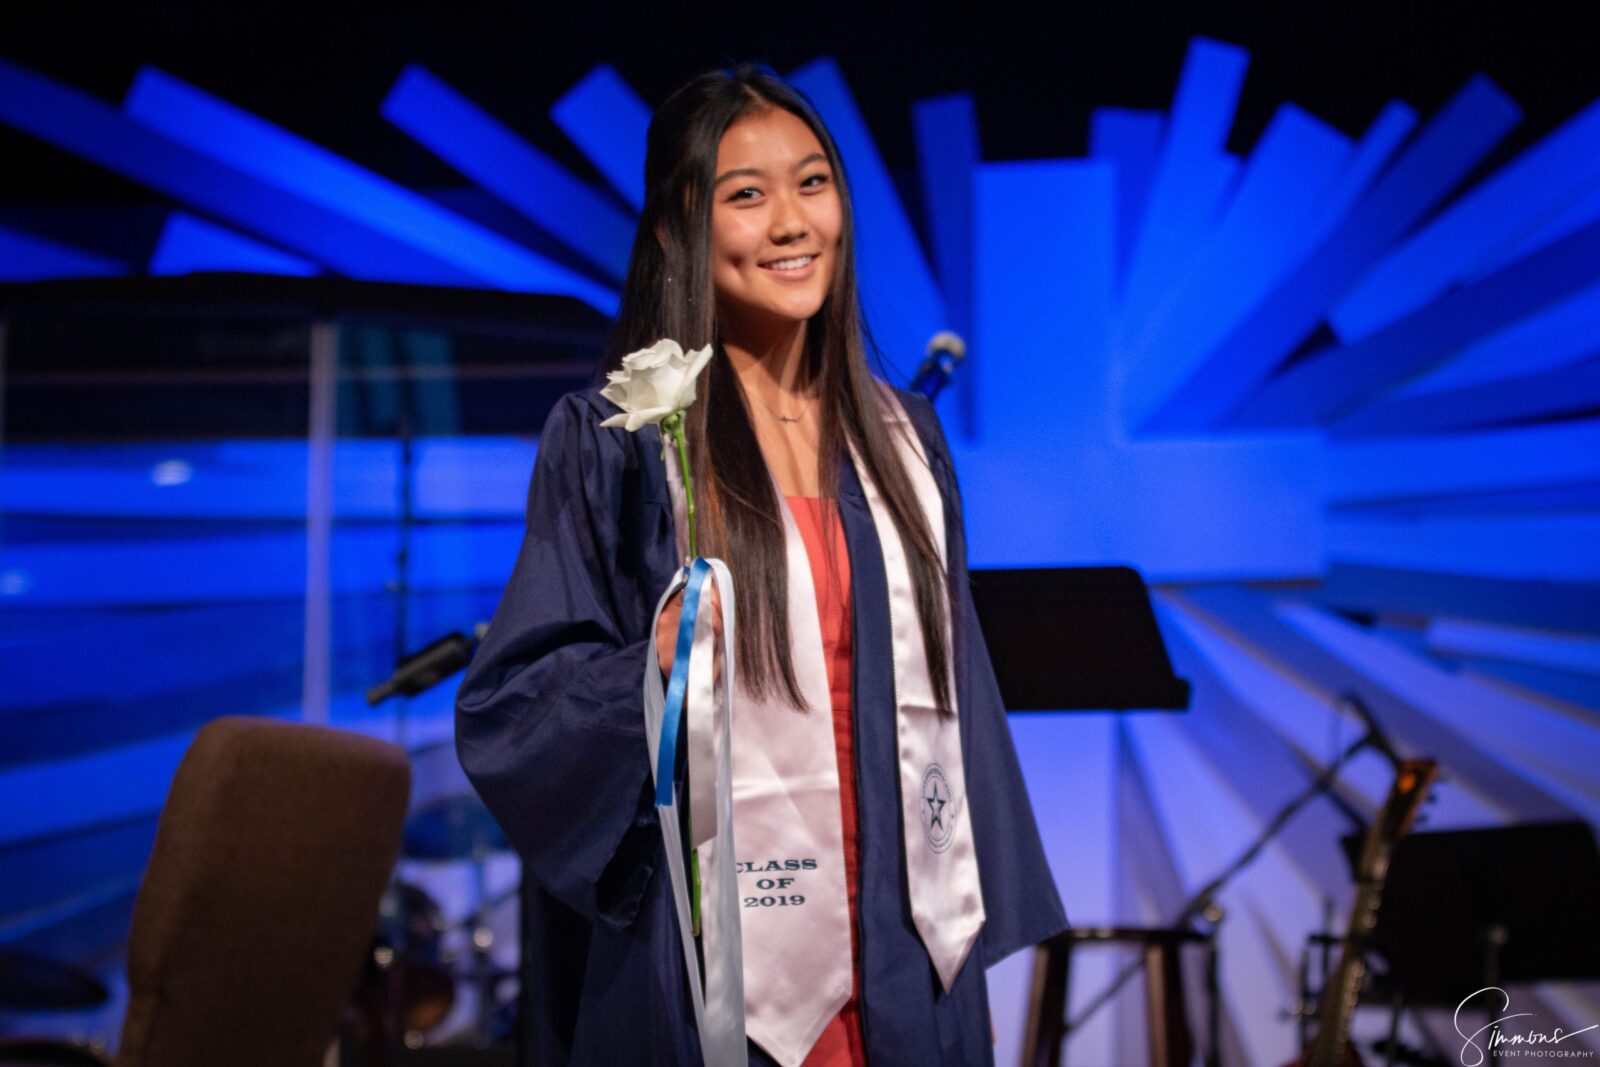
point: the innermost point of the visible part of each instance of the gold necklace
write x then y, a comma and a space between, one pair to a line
788, 418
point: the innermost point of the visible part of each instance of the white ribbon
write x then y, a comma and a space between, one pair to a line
719, 1008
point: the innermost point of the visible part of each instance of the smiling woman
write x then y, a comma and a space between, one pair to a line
885, 848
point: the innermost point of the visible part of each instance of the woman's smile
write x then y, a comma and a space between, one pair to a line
793, 268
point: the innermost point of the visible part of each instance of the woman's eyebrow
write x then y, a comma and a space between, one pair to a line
757, 172
738, 172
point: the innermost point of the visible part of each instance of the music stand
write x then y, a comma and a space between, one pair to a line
1466, 909
1075, 639
1086, 639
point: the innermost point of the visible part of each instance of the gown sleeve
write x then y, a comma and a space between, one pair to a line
549, 716
1020, 898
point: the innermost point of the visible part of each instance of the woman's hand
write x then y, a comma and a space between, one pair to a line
667, 627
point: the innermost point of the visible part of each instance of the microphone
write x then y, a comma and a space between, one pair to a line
945, 350
422, 670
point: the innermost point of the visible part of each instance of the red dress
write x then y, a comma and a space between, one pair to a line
841, 1043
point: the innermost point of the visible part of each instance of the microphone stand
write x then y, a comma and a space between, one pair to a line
1203, 902
402, 557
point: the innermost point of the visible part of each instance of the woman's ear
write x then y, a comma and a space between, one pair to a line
661, 236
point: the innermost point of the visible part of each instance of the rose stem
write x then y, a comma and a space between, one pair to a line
688, 480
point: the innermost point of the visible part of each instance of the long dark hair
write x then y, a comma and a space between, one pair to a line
669, 293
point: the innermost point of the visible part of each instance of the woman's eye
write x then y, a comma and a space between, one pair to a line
739, 194
819, 179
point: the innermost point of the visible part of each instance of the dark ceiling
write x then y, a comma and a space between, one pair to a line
1035, 73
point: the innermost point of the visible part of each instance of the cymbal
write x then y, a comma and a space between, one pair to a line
30, 982
454, 827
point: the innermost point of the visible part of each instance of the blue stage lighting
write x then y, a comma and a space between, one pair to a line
1326, 385
1574, 215
1262, 231
274, 156
948, 155
1131, 141
1530, 398
188, 245
1054, 478
1191, 175
1489, 461
1561, 335
74, 121
1443, 153
608, 122
27, 258
1498, 210
485, 150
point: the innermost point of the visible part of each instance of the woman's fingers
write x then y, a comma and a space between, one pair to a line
667, 626
667, 633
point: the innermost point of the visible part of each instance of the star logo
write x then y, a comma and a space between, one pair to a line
938, 817
936, 805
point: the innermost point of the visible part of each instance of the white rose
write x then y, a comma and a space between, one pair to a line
653, 383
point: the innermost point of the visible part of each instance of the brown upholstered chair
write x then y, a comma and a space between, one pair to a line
261, 894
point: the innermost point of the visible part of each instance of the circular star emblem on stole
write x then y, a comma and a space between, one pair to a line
938, 817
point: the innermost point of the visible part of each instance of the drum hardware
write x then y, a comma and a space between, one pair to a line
482, 936
33, 983
406, 989
452, 828
52, 1052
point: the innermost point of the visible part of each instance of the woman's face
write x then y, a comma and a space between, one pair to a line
775, 221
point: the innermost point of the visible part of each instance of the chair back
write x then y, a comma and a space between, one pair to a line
261, 895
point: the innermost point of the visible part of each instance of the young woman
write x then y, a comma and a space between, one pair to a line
886, 841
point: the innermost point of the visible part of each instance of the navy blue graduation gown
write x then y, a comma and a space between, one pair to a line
549, 728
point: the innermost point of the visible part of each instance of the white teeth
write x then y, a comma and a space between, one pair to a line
790, 264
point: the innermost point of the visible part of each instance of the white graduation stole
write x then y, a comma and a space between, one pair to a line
793, 919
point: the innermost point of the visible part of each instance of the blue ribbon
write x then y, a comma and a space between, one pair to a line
678, 684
